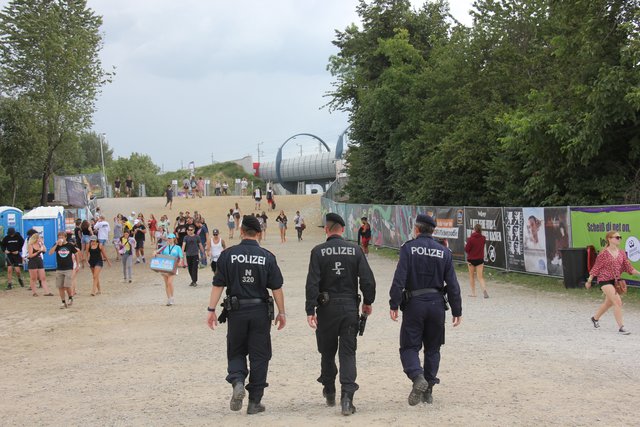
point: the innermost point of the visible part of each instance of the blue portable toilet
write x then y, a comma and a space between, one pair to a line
10, 217
47, 220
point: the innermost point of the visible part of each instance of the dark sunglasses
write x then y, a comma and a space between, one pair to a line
616, 237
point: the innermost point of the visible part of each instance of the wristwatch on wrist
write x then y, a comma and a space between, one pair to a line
211, 310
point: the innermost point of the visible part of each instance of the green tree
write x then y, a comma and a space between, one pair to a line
141, 169
49, 55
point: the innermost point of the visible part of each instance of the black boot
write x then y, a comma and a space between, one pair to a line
427, 396
21, 282
420, 385
330, 395
254, 407
347, 404
9, 286
237, 396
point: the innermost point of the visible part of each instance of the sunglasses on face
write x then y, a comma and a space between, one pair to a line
616, 237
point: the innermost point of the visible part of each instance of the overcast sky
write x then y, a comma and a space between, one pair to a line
201, 80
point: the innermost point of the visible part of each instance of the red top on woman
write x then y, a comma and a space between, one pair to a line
475, 246
609, 268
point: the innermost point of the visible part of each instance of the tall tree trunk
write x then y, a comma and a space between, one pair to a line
46, 174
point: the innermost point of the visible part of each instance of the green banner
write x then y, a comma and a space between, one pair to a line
589, 226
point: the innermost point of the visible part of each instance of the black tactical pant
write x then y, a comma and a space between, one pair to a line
192, 264
337, 330
249, 334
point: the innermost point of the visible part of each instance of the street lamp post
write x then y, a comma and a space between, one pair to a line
300, 145
104, 171
259, 144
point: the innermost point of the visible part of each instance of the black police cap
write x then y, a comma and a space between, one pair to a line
251, 222
335, 218
426, 219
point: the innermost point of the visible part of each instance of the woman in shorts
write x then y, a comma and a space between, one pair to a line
96, 256
174, 250
264, 224
281, 219
231, 223
35, 249
474, 249
610, 264
86, 232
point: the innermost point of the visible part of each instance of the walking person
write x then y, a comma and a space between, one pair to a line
237, 215
174, 250
231, 223
202, 231
66, 264
264, 225
281, 219
364, 235
216, 246
153, 227
128, 186
35, 249
126, 246
168, 192
117, 234
139, 233
474, 249
610, 264
299, 224
248, 272
96, 256
86, 232
191, 247
336, 268
103, 229
11, 245
257, 196
116, 186
418, 288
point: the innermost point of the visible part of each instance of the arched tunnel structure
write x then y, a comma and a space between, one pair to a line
321, 168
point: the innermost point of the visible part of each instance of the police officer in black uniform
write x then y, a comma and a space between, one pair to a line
12, 244
332, 303
248, 271
419, 289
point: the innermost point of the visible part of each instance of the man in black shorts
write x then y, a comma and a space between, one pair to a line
128, 186
116, 187
65, 255
12, 246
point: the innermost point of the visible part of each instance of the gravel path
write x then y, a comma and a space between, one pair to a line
520, 357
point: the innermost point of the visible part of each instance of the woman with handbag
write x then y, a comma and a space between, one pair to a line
610, 264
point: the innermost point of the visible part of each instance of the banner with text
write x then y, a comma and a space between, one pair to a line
491, 221
589, 226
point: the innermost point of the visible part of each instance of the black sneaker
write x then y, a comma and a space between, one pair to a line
330, 396
254, 407
21, 282
236, 397
347, 405
596, 324
420, 385
623, 331
9, 286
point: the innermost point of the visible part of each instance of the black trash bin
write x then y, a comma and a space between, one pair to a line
574, 267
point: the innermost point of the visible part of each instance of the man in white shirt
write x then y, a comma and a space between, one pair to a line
103, 228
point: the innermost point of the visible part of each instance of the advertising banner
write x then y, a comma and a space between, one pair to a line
450, 227
492, 228
535, 252
589, 226
556, 230
514, 231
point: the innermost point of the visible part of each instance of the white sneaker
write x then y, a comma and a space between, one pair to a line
169, 302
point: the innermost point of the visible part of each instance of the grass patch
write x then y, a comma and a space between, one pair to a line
540, 283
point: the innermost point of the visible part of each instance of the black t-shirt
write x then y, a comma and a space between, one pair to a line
116, 183
64, 256
247, 270
138, 232
12, 243
181, 231
129, 183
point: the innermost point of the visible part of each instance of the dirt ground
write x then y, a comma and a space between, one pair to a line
123, 358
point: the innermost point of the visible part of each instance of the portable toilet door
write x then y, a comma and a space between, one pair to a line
47, 220
10, 217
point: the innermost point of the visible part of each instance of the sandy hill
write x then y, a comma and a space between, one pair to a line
215, 209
